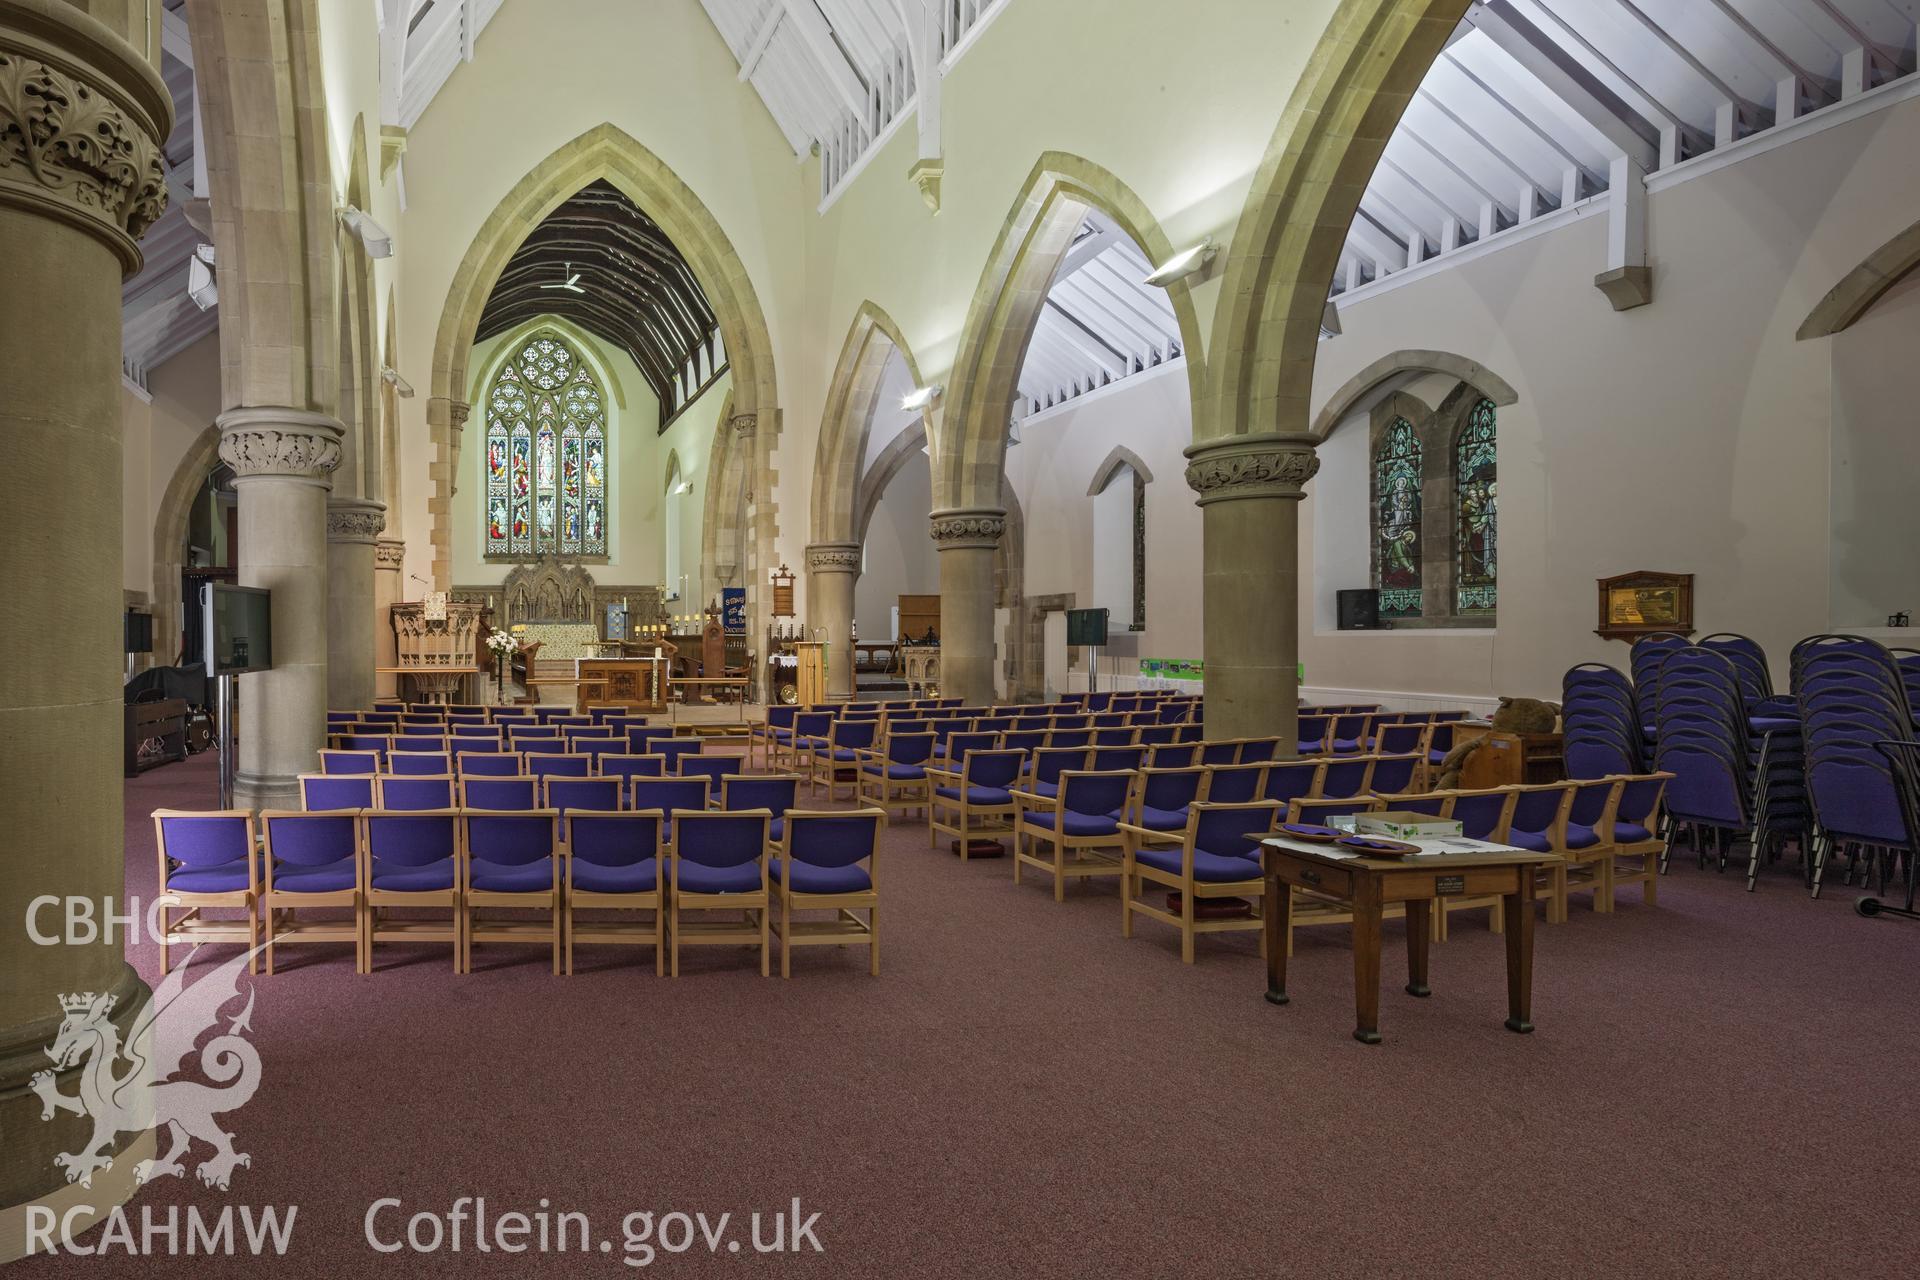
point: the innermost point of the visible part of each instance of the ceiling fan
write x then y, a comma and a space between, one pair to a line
571, 284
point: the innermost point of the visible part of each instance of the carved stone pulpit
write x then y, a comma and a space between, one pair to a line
438, 653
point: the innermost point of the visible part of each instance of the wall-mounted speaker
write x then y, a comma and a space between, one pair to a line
1358, 610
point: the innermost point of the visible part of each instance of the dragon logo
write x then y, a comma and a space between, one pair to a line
162, 1038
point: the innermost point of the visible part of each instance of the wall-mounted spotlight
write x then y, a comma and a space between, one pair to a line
685, 486
400, 385
1183, 264
372, 237
920, 397
200, 283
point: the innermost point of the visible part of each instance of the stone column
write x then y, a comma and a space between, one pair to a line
389, 554
834, 566
352, 526
1249, 491
966, 538
283, 461
81, 117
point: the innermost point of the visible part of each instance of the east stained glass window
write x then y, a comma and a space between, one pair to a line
1396, 472
1476, 500
546, 454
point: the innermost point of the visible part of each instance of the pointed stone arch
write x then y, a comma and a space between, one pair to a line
1253, 453
607, 153
1411, 361
969, 448
1120, 457
840, 502
1304, 195
1863, 286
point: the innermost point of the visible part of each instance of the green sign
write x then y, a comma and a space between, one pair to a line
1172, 669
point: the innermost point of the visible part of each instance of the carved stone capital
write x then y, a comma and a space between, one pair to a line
81, 122
389, 553
457, 411
355, 519
968, 527
1254, 466
295, 444
834, 557
744, 423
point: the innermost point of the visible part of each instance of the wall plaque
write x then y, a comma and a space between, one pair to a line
1449, 886
1638, 604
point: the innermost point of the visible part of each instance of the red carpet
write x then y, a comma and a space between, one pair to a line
1718, 1087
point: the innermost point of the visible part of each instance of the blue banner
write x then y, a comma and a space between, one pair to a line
733, 610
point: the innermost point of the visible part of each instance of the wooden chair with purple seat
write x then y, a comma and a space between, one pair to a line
207, 860
1217, 859
615, 862
719, 863
817, 867
894, 775
1639, 818
510, 860
1079, 825
974, 800
312, 859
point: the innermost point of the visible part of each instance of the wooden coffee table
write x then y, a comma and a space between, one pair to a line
1368, 885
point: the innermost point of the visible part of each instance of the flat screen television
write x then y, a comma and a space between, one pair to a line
1087, 627
239, 628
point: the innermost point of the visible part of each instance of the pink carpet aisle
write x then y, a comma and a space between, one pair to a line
1718, 1087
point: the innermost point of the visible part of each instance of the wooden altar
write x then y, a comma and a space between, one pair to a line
437, 653
640, 684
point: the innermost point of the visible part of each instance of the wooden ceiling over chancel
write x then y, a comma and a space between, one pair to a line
599, 261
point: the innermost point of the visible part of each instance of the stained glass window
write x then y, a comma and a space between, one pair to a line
1476, 500
546, 455
1397, 475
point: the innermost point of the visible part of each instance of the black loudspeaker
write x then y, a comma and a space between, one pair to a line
139, 627
1359, 610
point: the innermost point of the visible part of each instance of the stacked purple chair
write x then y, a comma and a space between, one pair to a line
1862, 762
1602, 730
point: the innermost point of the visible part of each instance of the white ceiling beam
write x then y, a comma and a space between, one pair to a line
1672, 128
1088, 296
1446, 206
757, 49
1566, 79
393, 58
1745, 109
1526, 120
818, 39
1084, 250
174, 38
1088, 342
1414, 136
1382, 250
1785, 68
469, 24
1854, 32
1493, 149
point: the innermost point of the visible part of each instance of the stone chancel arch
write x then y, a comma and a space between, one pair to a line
609, 154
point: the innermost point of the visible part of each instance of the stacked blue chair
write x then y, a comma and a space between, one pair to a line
1645, 663
1602, 730
1860, 750
1735, 776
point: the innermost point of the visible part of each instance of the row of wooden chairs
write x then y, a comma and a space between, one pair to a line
1607, 833
690, 789
672, 863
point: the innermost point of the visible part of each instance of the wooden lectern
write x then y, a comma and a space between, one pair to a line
810, 678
